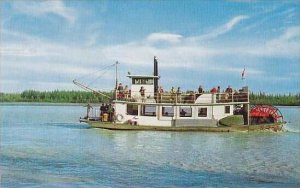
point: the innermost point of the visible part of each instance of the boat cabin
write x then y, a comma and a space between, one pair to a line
144, 104
145, 82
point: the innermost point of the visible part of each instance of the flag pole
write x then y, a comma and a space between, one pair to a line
243, 77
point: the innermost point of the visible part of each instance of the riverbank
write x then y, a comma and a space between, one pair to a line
42, 104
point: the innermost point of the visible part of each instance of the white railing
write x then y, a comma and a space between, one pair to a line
185, 97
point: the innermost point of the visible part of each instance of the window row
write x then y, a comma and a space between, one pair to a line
168, 111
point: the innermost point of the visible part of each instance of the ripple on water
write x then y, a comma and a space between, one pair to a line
56, 151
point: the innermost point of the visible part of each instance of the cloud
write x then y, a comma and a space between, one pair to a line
38, 8
38, 58
222, 29
287, 45
164, 37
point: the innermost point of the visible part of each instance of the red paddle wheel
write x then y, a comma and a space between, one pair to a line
265, 114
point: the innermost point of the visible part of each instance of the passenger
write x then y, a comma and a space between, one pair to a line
110, 112
126, 92
178, 93
142, 92
120, 91
218, 95
228, 94
182, 113
160, 89
200, 89
160, 93
228, 90
120, 87
173, 92
88, 109
106, 108
213, 90
190, 98
102, 109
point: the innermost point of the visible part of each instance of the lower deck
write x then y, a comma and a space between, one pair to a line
168, 115
234, 128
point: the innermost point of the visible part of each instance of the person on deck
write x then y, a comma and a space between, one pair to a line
110, 111
213, 90
102, 109
182, 113
120, 91
142, 92
200, 89
228, 90
178, 93
160, 89
106, 108
173, 93
228, 95
160, 93
88, 109
126, 92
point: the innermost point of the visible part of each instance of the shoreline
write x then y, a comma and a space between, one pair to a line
41, 104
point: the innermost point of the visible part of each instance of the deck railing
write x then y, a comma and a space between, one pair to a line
186, 97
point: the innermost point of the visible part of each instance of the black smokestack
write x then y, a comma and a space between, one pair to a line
155, 74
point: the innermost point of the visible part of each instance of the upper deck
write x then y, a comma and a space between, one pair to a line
144, 89
191, 97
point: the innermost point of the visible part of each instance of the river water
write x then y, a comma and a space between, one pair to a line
45, 146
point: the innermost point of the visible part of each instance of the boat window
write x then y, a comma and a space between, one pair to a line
167, 111
227, 109
148, 110
132, 109
185, 111
202, 112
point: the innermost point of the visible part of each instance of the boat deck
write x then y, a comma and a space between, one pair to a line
235, 128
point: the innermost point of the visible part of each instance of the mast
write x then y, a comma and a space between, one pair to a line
116, 76
155, 74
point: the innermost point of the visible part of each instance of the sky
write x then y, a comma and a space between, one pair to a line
47, 44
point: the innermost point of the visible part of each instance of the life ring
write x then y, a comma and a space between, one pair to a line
119, 117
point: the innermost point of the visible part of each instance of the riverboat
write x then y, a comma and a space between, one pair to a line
144, 106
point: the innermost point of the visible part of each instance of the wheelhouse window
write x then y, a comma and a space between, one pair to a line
148, 110
132, 109
227, 109
202, 112
185, 111
142, 81
167, 111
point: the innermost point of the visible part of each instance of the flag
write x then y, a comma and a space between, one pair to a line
243, 74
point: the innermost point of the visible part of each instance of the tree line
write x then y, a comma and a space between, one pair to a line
54, 97
275, 99
89, 97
